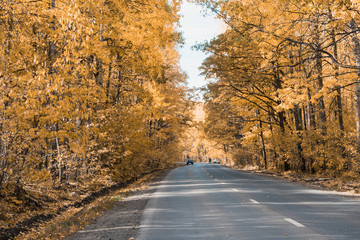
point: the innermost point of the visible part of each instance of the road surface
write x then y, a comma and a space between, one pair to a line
207, 201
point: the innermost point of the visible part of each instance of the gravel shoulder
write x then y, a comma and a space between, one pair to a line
122, 221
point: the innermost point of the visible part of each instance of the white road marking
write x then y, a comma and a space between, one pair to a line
235, 190
294, 222
254, 201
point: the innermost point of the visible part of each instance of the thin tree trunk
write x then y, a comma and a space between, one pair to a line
356, 50
310, 121
338, 98
298, 128
319, 83
278, 85
270, 117
357, 107
339, 111
59, 158
281, 119
261, 135
108, 84
304, 117
297, 118
226, 150
99, 71
263, 146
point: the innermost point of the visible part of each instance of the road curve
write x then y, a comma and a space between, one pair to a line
207, 201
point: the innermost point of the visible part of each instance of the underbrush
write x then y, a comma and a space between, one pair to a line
57, 212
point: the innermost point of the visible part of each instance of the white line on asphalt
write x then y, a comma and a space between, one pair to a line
254, 201
294, 222
235, 190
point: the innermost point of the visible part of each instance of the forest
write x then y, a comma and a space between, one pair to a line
284, 90
91, 95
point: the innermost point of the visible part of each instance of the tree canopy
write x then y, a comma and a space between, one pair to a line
91, 94
286, 83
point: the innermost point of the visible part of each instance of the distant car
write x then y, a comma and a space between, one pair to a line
217, 161
189, 161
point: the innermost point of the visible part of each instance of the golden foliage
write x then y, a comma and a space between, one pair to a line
286, 73
91, 93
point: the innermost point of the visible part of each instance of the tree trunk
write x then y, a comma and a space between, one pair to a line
356, 50
263, 146
261, 135
226, 150
304, 117
310, 114
273, 150
339, 111
278, 85
99, 71
297, 118
59, 158
298, 128
281, 119
108, 84
338, 99
319, 83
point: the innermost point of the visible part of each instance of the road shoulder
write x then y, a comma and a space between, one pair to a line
344, 187
122, 221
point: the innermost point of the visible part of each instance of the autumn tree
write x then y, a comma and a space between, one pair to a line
300, 63
91, 94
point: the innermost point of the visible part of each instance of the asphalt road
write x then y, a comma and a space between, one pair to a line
207, 201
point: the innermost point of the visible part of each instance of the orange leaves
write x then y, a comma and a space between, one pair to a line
285, 75
80, 83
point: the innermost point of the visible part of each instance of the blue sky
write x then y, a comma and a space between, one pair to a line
196, 28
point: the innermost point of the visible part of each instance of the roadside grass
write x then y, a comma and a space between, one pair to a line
74, 219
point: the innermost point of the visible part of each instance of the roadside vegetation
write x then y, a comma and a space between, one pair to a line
75, 218
284, 85
91, 98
